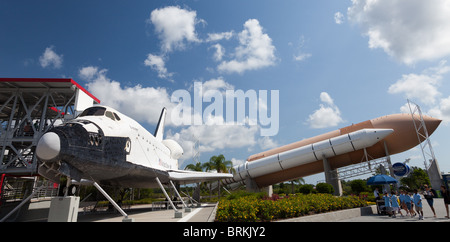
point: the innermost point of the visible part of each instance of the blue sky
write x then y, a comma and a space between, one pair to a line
333, 62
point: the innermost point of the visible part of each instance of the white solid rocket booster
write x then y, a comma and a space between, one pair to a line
339, 145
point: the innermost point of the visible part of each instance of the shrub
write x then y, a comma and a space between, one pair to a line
253, 209
306, 189
324, 188
358, 186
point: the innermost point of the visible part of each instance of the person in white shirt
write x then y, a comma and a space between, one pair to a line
376, 194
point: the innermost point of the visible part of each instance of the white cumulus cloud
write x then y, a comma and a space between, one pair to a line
144, 104
220, 51
219, 137
338, 18
408, 30
175, 26
423, 87
50, 58
255, 50
328, 114
442, 110
157, 63
219, 36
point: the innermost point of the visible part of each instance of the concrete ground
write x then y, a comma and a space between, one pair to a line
143, 213
206, 213
427, 212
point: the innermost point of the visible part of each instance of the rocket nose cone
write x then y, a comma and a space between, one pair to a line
382, 133
373, 136
431, 123
48, 147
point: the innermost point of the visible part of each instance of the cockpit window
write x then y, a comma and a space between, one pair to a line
117, 116
94, 111
110, 115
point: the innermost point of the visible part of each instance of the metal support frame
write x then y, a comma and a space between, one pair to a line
22, 127
22, 203
165, 194
192, 200
424, 141
178, 194
360, 169
429, 159
126, 219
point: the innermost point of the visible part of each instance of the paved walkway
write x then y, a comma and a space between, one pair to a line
428, 215
144, 213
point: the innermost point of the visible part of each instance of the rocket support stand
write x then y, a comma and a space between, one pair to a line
332, 177
186, 209
125, 219
178, 214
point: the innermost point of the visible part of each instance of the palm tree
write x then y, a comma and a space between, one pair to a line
221, 165
197, 167
208, 166
299, 181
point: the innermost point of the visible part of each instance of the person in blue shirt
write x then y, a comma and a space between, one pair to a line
407, 203
402, 198
387, 203
417, 199
395, 205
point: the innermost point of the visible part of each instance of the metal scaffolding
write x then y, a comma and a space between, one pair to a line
28, 108
429, 159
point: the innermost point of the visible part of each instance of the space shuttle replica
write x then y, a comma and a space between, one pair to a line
105, 146
368, 140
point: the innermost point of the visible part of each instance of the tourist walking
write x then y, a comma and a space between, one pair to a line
395, 205
403, 205
417, 200
409, 204
428, 195
446, 195
387, 203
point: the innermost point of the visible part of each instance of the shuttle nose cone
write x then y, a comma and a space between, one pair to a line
48, 146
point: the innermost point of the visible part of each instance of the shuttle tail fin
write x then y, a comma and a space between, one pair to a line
159, 131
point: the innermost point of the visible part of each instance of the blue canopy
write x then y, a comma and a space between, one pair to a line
380, 180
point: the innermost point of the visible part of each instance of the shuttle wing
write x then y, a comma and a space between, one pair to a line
195, 176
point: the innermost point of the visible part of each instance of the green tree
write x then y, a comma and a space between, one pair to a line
220, 164
306, 188
299, 181
324, 188
358, 186
416, 178
197, 167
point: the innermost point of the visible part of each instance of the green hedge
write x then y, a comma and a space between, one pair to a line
254, 209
